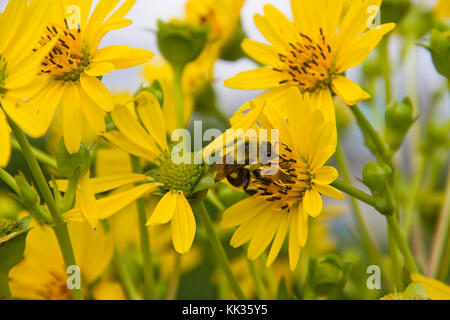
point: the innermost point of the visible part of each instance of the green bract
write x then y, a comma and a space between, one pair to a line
68, 163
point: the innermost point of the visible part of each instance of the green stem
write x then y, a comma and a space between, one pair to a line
222, 258
149, 281
396, 267
125, 280
371, 133
366, 239
354, 192
174, 284
259, 287
384, 55
60, 227
179, 96
5, 293
41, 156
402, 244
443, 227
9, 180
214, 199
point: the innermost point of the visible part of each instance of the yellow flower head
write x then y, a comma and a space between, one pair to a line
312, 52
42, 274
435, 289
20, 24
71, 70
284, 201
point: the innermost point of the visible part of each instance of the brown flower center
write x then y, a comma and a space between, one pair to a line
287, 186
69, 57
308, 63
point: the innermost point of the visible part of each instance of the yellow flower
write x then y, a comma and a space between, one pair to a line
312, 52
442, 9
19, 24
285, 200
42, 274
193, 81
223, 16
435, 289
71, 70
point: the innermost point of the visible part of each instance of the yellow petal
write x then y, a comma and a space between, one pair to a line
302, 225
260, 78
279, 238
183, 225
72, 120
129, 146
325, 175
150, 112
87, 201
97, 69
165, 209
312, 203
268, 32
329, 191
265, 233
241, 212
348, 91
5, 140
294, 248
97, 91
25, 118
261, 52
123, 57
435, 289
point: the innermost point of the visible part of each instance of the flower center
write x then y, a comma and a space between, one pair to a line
308, 63
287, 185
56, 288
179, 177
69, 57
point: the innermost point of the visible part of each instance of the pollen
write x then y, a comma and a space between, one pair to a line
68, 58
308, 62
284, 186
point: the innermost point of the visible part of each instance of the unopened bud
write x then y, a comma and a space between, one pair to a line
399, 118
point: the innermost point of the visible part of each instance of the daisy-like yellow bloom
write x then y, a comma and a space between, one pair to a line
312, 52
20, 24
193, 81
71, 70
283, 202
442, 9
436, 290
222, 16
43, 275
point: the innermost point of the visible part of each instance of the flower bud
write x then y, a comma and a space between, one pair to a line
28, 194
328, 274
399, 118
181, 42
12, 242
439, 48
375, 177
232, 50
394, 10
437, 135
68, 163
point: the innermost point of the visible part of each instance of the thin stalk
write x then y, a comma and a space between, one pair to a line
366, 239
384, 55
222, 258
60, 227
124, 277
175, 282
9, 180
354, 192
5, 292
396, 266
402, 244
179, 96
441, 234
259, 287
214, 199
370, 131
41, 156
149, 280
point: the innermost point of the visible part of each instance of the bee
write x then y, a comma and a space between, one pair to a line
241, 175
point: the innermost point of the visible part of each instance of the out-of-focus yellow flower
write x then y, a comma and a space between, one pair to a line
435, 289
442, 9
108, 291
312, 52
71, 70
223, 16
284, 201
20, 25
42, 274
194, 80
